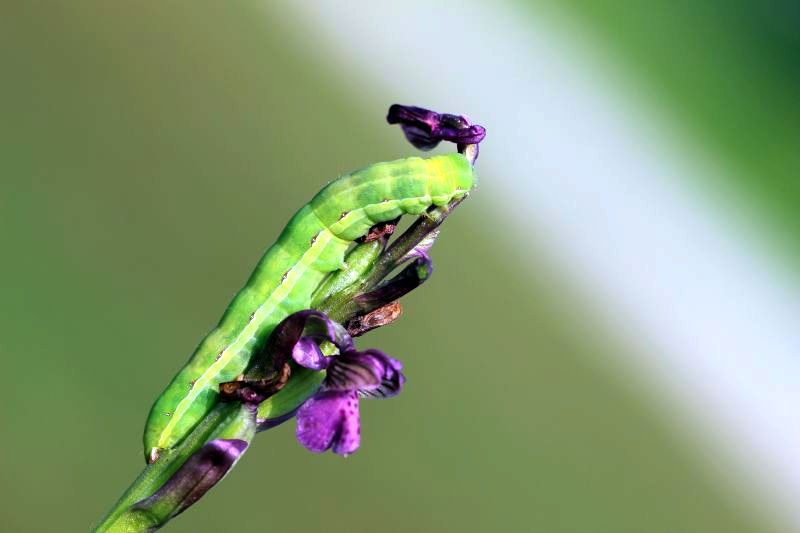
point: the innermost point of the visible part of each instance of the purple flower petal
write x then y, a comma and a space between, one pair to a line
298, 335
307, 353
409, 114
318, 326
420, 139
458, 130
196, 476
392, 379
330, 419
348, 438
309, 323
371, 373
423, 247
354, 371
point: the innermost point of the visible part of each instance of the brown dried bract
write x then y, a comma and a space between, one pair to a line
381, 316
254, 391
378, 231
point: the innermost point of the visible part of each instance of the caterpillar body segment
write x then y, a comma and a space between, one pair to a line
312, 246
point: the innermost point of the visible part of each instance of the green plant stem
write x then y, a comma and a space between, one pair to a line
223, 421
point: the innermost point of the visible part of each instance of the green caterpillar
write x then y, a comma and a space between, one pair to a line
312, 246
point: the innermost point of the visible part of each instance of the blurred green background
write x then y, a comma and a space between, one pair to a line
151, 151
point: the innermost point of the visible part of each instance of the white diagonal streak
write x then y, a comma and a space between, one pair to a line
597, 175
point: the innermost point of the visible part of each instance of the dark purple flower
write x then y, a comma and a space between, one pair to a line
425, 129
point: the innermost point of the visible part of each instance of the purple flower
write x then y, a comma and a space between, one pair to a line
330, 418
425, 129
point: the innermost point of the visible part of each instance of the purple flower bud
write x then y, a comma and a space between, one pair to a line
406, 281
425, 129
204, 469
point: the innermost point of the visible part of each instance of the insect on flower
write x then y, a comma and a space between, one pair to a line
284, 346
